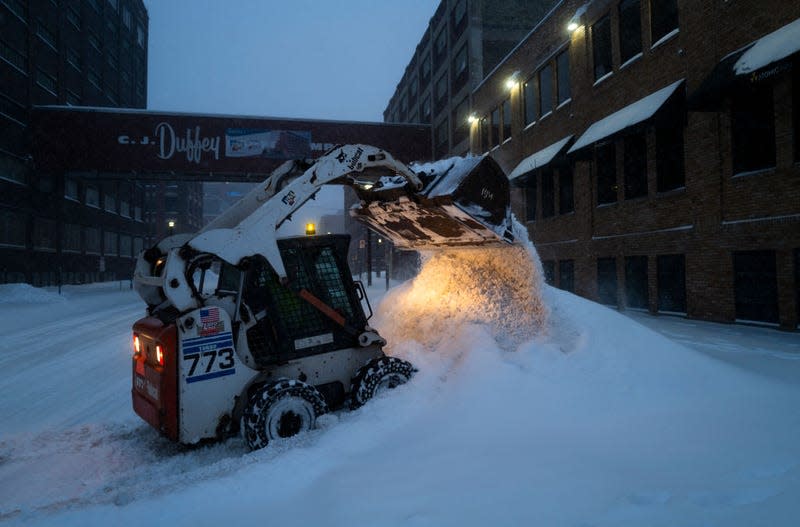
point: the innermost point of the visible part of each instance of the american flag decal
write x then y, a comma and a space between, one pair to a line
209, 321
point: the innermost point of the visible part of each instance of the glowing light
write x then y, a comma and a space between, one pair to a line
572, 26
137, 346
513, 80
160, 354
472, 118
311, 229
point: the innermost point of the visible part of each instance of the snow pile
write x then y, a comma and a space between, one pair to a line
27, 294
499, 288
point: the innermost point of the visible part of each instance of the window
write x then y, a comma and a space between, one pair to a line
529, 100
636, 293
74, 17
459, 21
140, 36
484, 134
137, 213
413, 89
601, 47
46, 81
440, 48
549, 268
630, 30
126, 17
17, 7
138, 246
94, 41
753, 128
425, 71
635, 166
607, 281
562, 70
109, 200
460, 71
114, 4
12, 229
566, 197
442, 136
530, 200
44, 33
92, 240
403, 108
92, 196
124, 208
671, 270
426, 109
71, 189
548, 193
669, 158
74, 58
71, 98
72, 238
44, 234
495, 127
110, 244
15, 58
125, 246
546, 89
441, 93
94, 78
566, 275
460, 122
605, 162
663, 18
506, 119
756, 286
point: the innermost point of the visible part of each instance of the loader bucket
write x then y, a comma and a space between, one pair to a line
464, 202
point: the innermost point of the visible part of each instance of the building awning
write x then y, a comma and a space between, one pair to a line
760, 60
631, 115
540, 159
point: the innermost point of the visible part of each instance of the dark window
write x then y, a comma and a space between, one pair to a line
412, 89
635, 166
485, 134
663, 18
460, 123
669, 158
495, 127
459, 21
607, 281
442, 133
605, 162
549, 268
425, 71
529, 98
548, 193
636, 293
530, 200
601, 47
546, 89
756, 286
426, 109
566, 199
440, 48
506, 119
562, 70
566, 275
630, 29
460, 70
441, 94
671, 270
12, 228
753, 128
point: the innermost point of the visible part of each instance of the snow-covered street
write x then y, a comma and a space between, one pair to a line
596, 421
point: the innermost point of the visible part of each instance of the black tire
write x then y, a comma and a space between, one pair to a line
281, 409
377, 376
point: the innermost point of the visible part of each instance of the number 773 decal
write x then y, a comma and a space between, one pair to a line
208, 357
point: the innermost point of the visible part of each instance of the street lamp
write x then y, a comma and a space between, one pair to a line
171, 226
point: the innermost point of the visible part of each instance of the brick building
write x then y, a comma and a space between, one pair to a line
57, 227
654, 151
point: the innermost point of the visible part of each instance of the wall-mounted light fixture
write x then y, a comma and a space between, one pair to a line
513, 80
577, 19
472, 118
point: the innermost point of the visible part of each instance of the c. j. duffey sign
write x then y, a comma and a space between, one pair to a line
192, 144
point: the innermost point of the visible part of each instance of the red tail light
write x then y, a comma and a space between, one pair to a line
160, 354
137, 345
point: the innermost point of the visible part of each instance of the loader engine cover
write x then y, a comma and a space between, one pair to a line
464, 202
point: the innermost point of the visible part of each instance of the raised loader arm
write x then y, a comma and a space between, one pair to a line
353, 165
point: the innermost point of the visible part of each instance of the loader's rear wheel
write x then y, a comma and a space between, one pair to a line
279, 410
377, 376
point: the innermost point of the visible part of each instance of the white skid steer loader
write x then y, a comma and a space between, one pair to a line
247, 333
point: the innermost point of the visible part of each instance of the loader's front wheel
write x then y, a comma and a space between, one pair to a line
377, 376
279, 410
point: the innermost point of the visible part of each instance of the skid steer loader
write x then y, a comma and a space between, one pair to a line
247, 333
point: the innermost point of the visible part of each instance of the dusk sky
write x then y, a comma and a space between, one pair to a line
325, 59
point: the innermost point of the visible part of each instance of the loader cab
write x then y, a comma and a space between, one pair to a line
318, 310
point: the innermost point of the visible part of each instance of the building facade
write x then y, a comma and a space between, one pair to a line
464, 40
58, 227
654, 150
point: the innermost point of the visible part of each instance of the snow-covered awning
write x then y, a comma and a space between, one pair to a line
540, 159
757, 61
631, 115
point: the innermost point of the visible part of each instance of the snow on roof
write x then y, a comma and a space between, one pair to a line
540, 158
632, 114
770, 48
